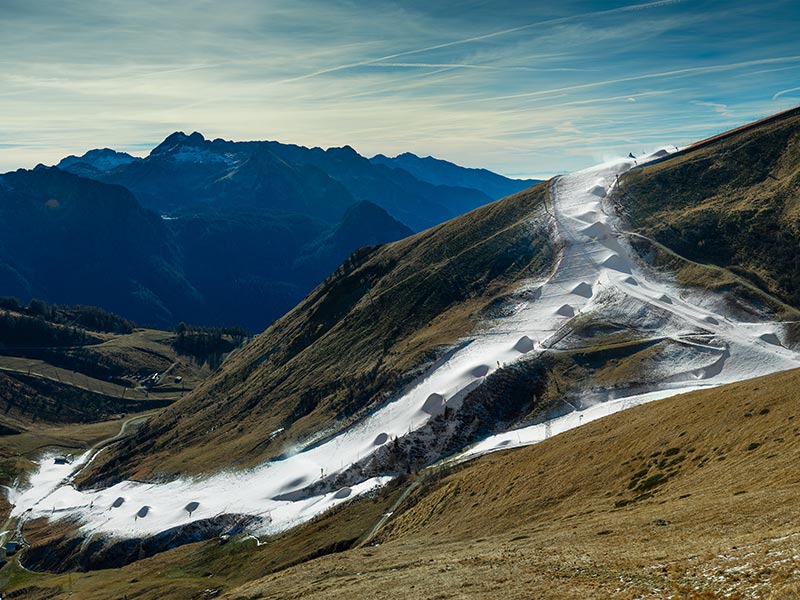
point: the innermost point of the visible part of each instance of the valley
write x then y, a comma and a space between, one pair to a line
78, 387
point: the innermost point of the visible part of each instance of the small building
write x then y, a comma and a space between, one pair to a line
151, 380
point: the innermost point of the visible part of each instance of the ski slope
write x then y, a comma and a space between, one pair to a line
597, 274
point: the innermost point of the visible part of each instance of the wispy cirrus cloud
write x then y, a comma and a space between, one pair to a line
717, 107
526, 88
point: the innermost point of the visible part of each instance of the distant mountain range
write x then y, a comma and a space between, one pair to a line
214, 232
190, 174
441, 172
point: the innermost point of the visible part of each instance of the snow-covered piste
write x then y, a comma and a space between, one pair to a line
597, 275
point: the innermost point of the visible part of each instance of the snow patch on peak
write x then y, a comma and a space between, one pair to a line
102, 159
195, 154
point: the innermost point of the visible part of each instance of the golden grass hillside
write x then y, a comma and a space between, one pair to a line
731, 201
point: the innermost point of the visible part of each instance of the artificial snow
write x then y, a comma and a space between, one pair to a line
597, 271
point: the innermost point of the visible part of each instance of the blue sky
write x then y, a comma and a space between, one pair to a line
523, 88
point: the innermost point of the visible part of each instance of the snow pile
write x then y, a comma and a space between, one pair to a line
597, 274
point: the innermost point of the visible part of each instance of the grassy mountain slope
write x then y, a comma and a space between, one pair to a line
359, 337
690, 497
731, 201
325, 255
98, 375
372, 326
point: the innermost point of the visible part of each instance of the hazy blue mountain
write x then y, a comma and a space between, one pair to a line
69, 239
366, 222
246, 229
442, 172
72, 240
96, 161
416, 203
188, 174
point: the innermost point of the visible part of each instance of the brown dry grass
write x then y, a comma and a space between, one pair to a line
730, 201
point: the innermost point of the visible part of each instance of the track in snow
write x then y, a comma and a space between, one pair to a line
597, 273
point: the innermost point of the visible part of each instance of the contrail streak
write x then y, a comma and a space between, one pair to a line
479, 38
674, 73
782, 92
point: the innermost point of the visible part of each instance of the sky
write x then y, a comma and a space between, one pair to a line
523, 88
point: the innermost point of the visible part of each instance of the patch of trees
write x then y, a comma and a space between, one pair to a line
23, 331
86, 317
207, 344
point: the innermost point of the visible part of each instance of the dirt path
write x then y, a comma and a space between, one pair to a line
123, 431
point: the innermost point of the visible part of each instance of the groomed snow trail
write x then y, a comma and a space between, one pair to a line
596, 272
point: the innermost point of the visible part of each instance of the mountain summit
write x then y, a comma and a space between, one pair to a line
188, 173
96, 161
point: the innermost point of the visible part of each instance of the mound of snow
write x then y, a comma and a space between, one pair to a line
480, 371
434, 405
343, 493
565, 310
524, 344
582, 289
617, 263
770, 338
598, 190
589, 216
597, 230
